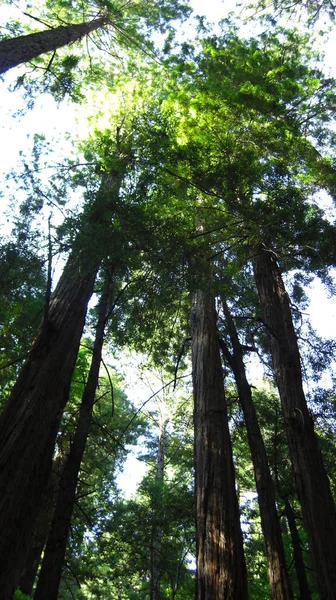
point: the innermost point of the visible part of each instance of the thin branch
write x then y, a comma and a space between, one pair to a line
14, 361
111, 384
118, 298
149, 399
74, 575
107, 432
196, 235
48, 69
38, 20
49, 277
87, 518
85, 494
137, 44
192, 183
101, 396
188, 339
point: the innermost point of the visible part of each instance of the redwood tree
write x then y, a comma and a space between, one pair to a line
275, 554
54, 553
221, 570
30, 420
312, 483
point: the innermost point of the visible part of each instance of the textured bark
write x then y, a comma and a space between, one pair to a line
21, 49
221, 571
297, 553
29, 424
54, 553
311, 479
30, 421
270, 524
42, 527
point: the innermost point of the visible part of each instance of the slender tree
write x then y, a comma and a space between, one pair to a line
42, 526
277, 569
156, 541
93, 551
312, 483
54, 553
297, 552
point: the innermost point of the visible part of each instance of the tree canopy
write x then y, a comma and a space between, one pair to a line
184, 229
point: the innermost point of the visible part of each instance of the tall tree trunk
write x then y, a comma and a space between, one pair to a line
42, 527
270, 524
21, 49
297, 553
155, 575
221, 570
29, 424
30, 420
311, 479
54, 553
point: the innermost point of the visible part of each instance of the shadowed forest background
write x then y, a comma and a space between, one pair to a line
159, 247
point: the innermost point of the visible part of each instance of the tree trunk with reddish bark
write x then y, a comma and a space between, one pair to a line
24, 48
270, 524
221, 570
54, 553
312, 483
30, 420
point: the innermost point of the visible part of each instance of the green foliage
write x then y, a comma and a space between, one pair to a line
89, 63
312, 10
23, 286
113, 557
20, 596
244, 111
114, 426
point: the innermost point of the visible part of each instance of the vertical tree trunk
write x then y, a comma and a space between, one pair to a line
311, 479
21, 49
54, 553
30, 420
297, 553
41, 528
270, 524
221, 570
155, 576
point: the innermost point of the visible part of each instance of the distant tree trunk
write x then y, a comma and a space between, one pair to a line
270, 524
54, 552
297, 553
30, 420
155, 575
16, 51
41, 528
221, 570
311, 479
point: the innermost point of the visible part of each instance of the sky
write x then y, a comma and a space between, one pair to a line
55, 122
